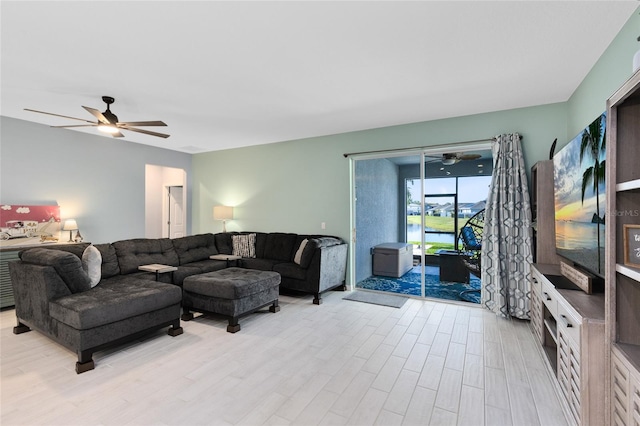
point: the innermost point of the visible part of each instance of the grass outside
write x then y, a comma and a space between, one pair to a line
445, 224
438, 223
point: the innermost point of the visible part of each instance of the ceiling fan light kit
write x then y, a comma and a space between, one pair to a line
449, 161
107, 128
108, 121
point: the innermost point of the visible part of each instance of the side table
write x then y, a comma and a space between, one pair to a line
157, 268
228, 257
452, 267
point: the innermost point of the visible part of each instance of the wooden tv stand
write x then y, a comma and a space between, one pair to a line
570, 325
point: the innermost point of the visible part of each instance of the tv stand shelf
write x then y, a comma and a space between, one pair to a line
634, 274
628, 186
570, 325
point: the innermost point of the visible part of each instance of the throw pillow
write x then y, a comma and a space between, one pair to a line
308, 253
298, 257
244, 245
92, 264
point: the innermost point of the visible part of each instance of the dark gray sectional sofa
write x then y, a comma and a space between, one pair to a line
53, 292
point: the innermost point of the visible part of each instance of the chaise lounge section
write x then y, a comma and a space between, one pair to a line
53, 295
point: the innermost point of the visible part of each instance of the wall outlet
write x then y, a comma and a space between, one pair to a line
323, 225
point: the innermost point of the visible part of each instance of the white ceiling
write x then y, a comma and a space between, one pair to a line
232, 74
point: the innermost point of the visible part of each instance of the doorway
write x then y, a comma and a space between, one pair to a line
386, 209
175, 212
166, 208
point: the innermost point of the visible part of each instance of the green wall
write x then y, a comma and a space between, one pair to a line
612, 69
294, 186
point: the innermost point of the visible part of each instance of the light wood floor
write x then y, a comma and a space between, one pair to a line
342, 362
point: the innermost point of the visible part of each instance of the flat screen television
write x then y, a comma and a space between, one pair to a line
580, 198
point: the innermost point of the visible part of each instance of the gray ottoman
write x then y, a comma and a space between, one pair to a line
232, 292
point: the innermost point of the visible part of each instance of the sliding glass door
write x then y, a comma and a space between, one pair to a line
416, 199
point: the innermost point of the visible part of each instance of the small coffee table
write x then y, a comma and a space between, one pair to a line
228, 257
157, 268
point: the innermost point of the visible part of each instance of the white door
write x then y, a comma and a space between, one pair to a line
175, 220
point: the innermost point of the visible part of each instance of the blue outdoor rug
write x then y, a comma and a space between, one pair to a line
409, 283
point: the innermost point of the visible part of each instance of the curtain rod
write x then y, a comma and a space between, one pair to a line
421, 148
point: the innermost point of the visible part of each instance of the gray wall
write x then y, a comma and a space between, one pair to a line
377, 213
99, 181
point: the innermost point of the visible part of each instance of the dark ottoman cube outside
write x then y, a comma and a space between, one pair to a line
232, 292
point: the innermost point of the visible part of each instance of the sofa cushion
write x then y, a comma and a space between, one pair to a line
327, 241
244, 245
110, 266
261, 242
291, 270
280, 246
144, 251
260, 264
113, 300
67, 265
223, 242
183, 272
307, 250
195, 247
198, 267
76, 249
92, 264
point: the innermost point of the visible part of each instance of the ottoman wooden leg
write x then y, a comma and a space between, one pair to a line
233, 326
275, 307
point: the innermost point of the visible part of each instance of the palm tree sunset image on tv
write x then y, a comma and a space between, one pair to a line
579, 174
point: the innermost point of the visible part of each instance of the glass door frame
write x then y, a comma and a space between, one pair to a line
423, 152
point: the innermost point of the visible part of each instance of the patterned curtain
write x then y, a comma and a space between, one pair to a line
506, 240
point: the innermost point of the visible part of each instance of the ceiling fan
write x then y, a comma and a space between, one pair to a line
449, 159
108, 121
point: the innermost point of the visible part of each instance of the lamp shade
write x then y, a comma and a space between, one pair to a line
70, 225
223, 212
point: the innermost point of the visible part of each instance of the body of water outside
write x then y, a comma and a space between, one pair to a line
414, 234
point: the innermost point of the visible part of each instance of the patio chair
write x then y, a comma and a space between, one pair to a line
470, 238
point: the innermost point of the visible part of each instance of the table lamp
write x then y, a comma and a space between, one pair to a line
70, 225
223, 213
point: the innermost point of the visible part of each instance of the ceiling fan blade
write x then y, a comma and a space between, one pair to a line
58, 115
76, 125
467, 157
142, 123
146, 132
97, 114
